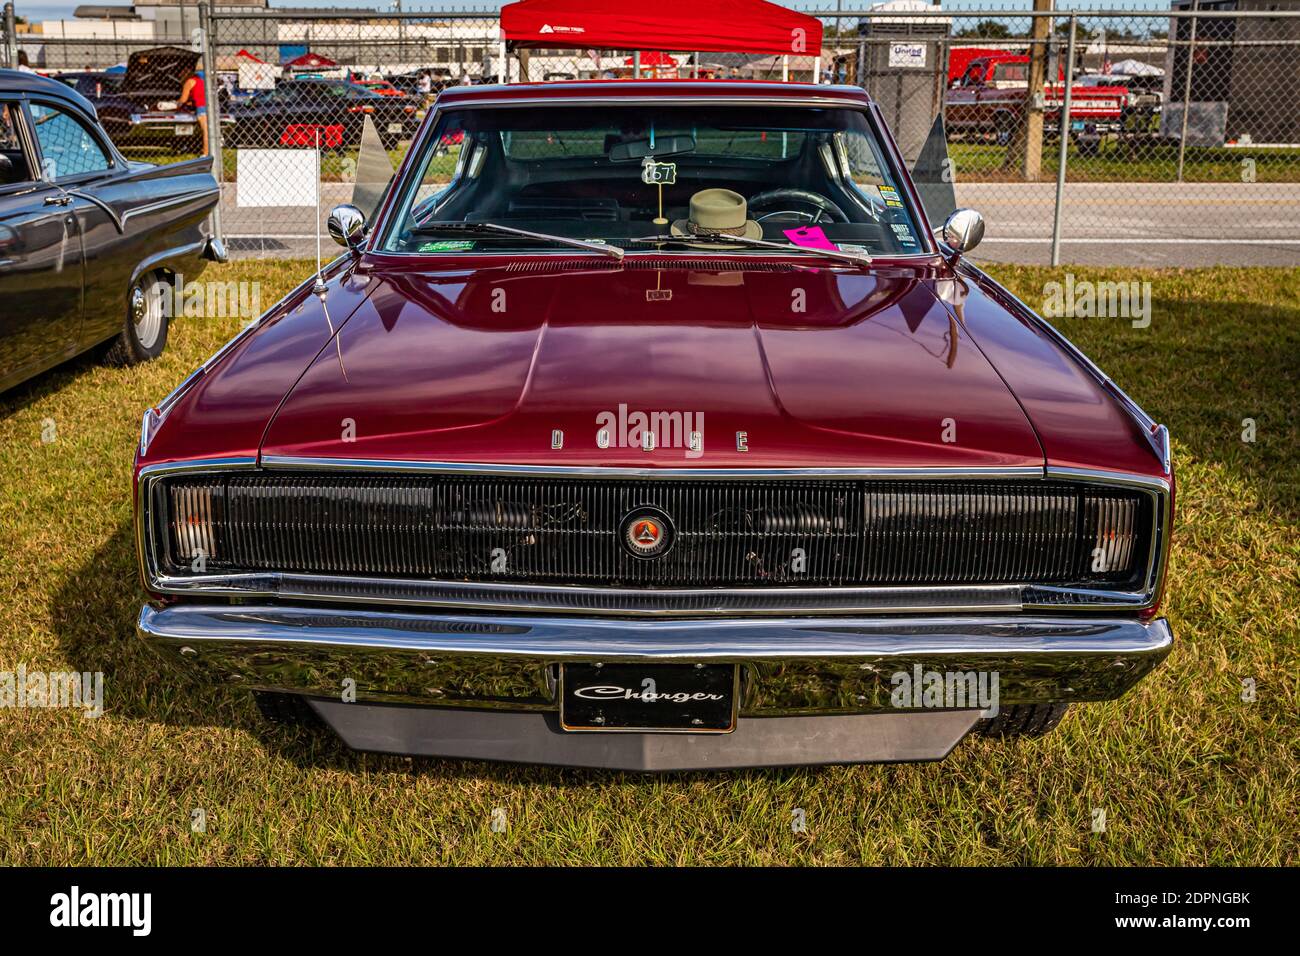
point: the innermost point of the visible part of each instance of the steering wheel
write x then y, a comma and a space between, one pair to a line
783, 206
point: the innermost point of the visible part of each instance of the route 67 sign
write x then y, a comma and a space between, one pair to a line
658, 174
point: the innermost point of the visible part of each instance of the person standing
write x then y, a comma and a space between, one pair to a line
194, 92
23, 63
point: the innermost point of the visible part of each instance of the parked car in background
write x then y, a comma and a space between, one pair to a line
409, 83
662, 434
1143, 100
989, 99
382, 87
296, 110
89, 243
144, 109
93, 85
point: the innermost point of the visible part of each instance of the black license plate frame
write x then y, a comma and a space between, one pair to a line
710, 695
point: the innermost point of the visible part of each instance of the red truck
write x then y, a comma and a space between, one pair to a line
989, 98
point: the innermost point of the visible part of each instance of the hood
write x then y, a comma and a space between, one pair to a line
159, 71
773, 366
223, 409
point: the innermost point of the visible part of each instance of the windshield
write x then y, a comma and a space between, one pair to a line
802, 176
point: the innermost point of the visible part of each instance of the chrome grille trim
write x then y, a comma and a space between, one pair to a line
667, 602
363, 465
728, 534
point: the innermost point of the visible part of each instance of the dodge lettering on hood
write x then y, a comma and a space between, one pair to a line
652, 426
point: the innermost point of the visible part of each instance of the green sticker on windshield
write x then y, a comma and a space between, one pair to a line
447, 245
890, 195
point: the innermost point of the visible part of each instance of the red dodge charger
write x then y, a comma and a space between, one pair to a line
653, 427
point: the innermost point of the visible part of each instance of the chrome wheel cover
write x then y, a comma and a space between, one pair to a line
147, 313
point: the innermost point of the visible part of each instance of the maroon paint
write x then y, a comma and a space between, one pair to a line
865, 376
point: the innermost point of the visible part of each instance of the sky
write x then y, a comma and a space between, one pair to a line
54, 10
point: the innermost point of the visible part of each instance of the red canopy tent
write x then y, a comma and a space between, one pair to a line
310, 61
724, 26
653, 58
655, 64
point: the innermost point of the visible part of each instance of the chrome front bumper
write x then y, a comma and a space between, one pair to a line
792, 666
813, 690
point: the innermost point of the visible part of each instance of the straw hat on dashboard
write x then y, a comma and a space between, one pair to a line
715, 211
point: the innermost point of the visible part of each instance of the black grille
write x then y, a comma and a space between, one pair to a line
727, 533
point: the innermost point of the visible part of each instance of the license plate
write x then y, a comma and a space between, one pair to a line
394, 127
673, 698
184, 130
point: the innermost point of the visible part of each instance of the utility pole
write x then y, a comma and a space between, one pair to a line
210, 84
1026, 148
1187, 88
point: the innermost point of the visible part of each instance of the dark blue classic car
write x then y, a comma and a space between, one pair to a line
90, 244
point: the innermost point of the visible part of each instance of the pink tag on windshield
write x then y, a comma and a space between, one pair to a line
811, 237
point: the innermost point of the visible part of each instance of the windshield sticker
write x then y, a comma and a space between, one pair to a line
447, 245
890, 195
903, 232
810, 237
853, 247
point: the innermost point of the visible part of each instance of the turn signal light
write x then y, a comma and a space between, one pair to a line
195, 515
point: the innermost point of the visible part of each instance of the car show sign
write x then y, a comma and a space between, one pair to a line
654, 173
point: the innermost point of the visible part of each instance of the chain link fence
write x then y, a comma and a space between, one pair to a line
1180, 137
138, 107
1182, 130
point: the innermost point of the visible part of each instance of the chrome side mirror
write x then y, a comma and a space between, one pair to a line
347, 225
963, 231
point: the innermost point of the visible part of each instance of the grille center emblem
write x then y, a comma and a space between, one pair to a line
647, 533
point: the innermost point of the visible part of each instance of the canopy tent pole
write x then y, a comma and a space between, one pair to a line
817, 69
785, 69
503, 71
636, 64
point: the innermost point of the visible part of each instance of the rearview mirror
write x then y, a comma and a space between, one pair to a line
963, 231
347, 225
639, 149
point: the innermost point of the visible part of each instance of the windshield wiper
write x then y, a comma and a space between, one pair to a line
861, 258
492, 228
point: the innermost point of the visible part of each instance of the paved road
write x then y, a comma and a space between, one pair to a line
1143, 224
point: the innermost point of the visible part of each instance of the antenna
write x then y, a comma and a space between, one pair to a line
319, 286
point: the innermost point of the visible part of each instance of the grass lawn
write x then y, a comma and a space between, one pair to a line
1186, 772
